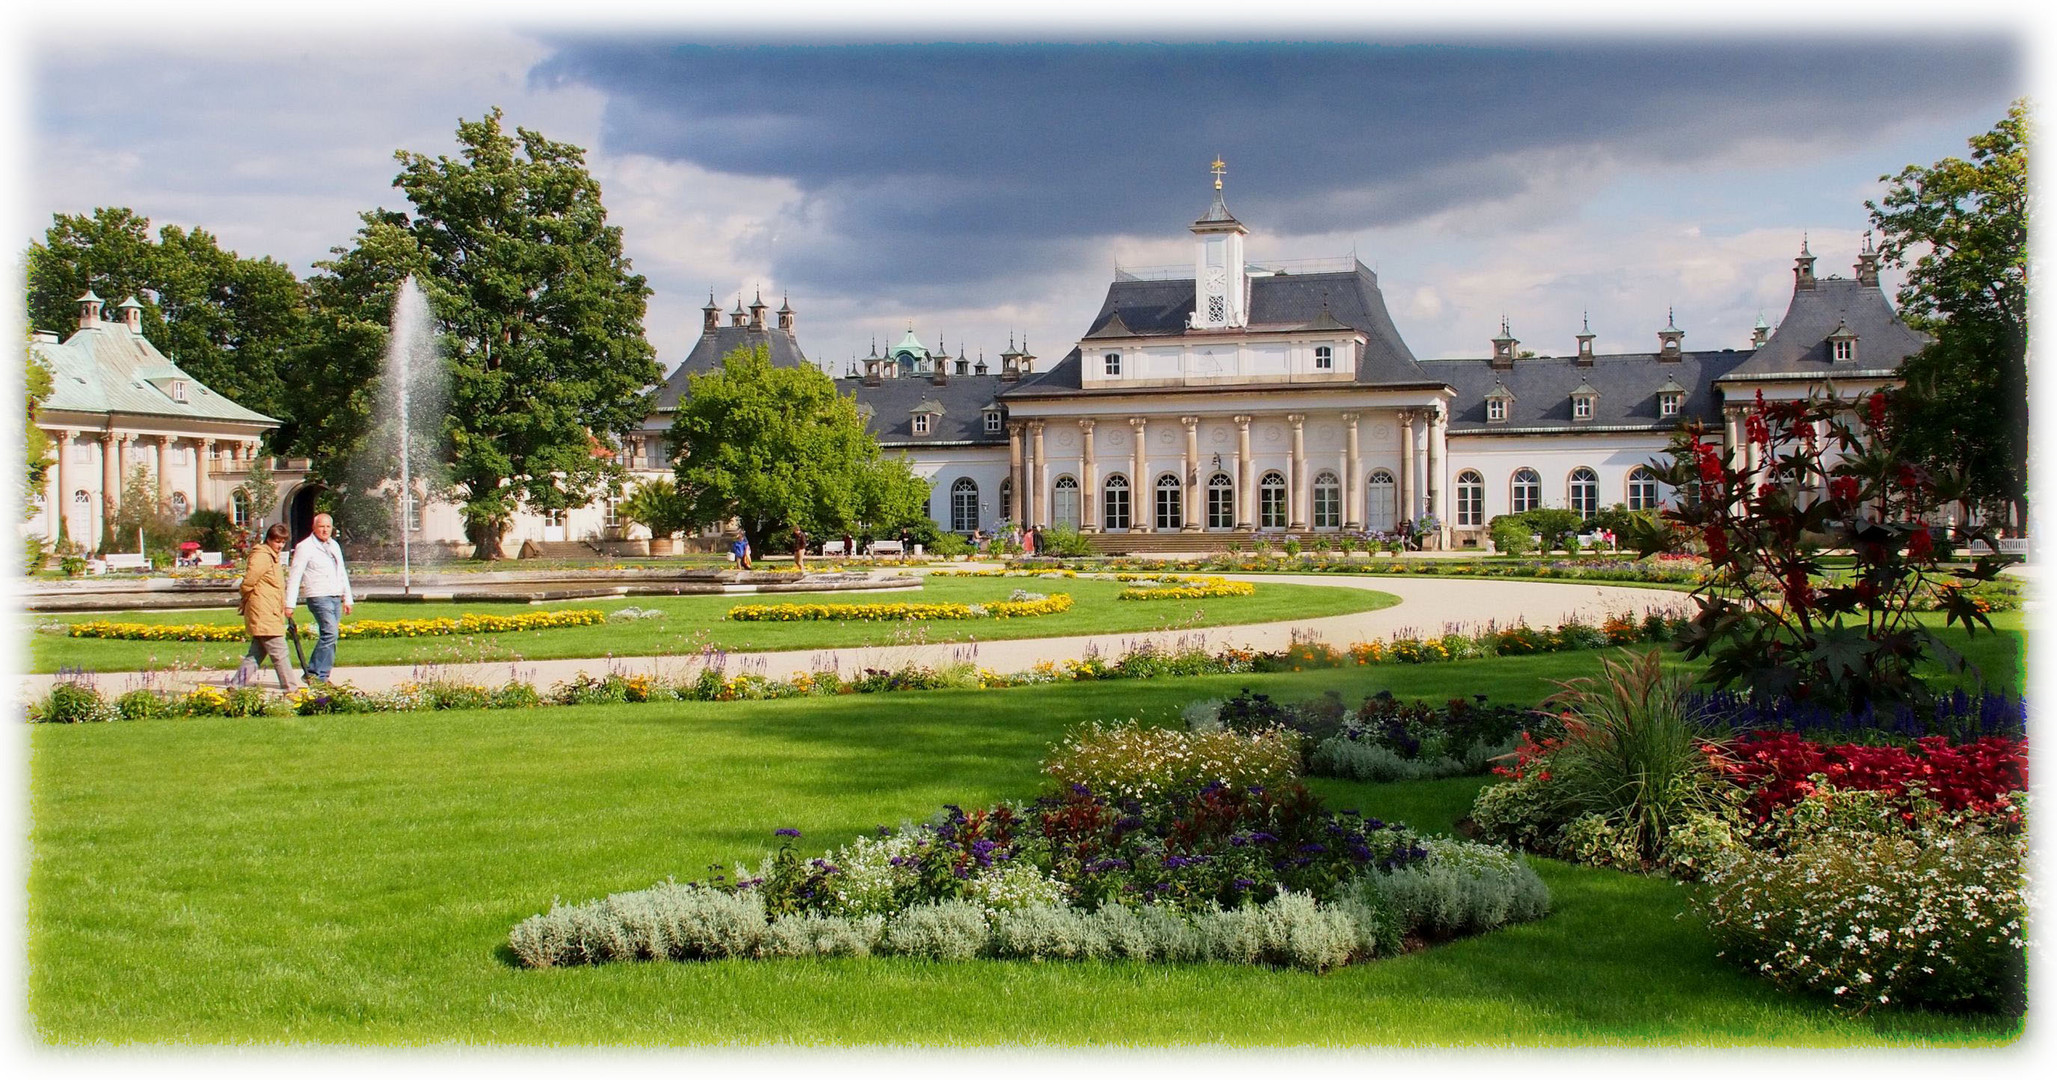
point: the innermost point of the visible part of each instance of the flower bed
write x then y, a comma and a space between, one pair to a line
1228, 872
361, 628
1022, 605
1168, 587
1779, 768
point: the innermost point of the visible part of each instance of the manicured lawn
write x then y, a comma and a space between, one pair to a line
352, 880
693, 623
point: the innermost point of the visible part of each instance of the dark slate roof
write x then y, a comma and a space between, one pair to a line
963, 400
1542, 388
708, 351
1278, 302
1799, 347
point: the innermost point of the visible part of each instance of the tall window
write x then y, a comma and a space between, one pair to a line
964, 505
1324, 358
1112, 362
1064, 508
1007, 499
1221, 502
1642, 489
1271, 501
239, 508
180, 508
414, 514
1170, 500
1471, 498
1114, 505
1378, 516
1528, 490
611, 510
1328, 501
554, 518
653, 452
1585, 491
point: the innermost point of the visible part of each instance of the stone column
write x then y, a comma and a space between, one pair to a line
1039, 477
1140, 504
1296, 484
1353, 475
114, 447
62, 504
1089, 480
203, 471
1246, 477
1014, 473
1439, 468
1403, 488
1191, 475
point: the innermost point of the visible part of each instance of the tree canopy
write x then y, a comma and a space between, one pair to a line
773, 447
1961, 230
228, 321
541, 325
35, 446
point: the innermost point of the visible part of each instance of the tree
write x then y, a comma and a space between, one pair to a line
1961, 230
35, 446
774, 447
260, 493
228, 321
542, 325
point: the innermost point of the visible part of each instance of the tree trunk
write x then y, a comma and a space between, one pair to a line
486, 537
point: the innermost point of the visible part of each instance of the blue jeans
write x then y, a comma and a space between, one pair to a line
327, 612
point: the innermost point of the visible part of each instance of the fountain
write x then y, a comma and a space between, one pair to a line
414, 386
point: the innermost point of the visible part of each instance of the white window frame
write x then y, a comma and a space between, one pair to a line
1169, 503
921, 423
964, 505
1471, 498
1583, 488
1496, 410
1525, 490
1111, 364
992, 421
1271, 501
1324, 358
1846, 350
1582, 407
1642, 489
1668, 404
1116, 511
1327, 497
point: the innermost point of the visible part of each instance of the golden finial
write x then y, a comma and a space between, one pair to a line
1218, 168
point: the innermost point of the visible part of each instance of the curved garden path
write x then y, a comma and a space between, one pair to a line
1428, 606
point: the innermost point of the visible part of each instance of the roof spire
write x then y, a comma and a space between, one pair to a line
1803, 245
1219, 169
1585, 322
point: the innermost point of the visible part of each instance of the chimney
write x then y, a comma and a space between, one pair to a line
710, 315
132, 315
757, 306
1803, 267
1585, 341
1504, 346
89, 310
1670, 339
1867, 263
785, 314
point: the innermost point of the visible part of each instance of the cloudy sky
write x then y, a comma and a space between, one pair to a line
980, 191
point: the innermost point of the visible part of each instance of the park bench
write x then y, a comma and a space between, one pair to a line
2014, 545
210, 558
127, 562
832, 547
885, 547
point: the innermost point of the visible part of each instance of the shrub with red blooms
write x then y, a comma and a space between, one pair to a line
1779, 769
1815, 473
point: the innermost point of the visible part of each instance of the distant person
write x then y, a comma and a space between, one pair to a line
905, 547
739, 550
264, 608
1028, 543
978, 541
799, 550
849, 547
319, 574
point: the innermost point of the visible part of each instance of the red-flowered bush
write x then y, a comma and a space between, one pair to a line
1778, 766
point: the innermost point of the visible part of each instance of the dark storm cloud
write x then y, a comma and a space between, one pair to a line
907, 153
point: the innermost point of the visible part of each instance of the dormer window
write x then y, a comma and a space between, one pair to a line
921, 423
1846, 350
1668, 404
992, 421
1324, 358
1496, 410
178, 389
1842, 344
1112, 362
1581, 408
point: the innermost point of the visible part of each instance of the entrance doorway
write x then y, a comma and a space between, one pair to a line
300, 511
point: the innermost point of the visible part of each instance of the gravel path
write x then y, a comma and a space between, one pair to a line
1427, 606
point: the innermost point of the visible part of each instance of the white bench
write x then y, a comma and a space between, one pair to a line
885, 547
210, 558
2014, 545
127, 562
832, 547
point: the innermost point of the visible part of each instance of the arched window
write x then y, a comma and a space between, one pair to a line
1271, 501
1328, 501
1378, 511
1170, 503
1642, 489
1114, 505
1471, 498
964, 505
239, 509
1585, 491
1528, 490
1221, 502
81, 499
1064, 503
180, 508
1007, 499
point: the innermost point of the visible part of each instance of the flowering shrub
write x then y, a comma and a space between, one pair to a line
1132, 761
1932, 914
1780, 768
1000, 609
470, 623
1959, 716
72, 700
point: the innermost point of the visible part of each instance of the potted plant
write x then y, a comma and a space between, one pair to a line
659, 506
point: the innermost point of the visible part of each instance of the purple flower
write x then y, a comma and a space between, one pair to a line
785, 832
1238, 840
1245, 883
1263, 838
1314, 848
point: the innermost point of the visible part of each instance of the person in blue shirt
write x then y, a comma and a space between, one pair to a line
740, 551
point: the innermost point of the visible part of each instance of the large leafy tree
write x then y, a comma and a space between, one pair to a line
1961, 230
230, 322
35, 446
773, 447
541, 319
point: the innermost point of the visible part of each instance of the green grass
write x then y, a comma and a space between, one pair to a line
692, 623
353, 879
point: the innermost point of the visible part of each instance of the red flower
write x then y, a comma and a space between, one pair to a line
1844, 489
1919, 546
1756, 429
1798, 593
1717, 544
1875, 408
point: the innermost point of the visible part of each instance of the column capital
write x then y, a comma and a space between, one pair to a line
1191, 422
1016, 427
1035, 427
1243, 421
1137, 422
1296, 419
61, 436
1406, 415
1351, 417
165, 440
1085, 424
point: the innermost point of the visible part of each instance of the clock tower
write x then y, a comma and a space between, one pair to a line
1221, 290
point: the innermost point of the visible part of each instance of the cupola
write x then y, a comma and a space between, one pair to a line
710, 316
1219, 282
89, 309
1760, 333
757, 308
1867, 263
785, 314
1585, 341
1504, 346
132, 315
1803, 266
1671, 339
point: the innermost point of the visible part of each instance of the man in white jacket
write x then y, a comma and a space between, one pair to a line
318, 571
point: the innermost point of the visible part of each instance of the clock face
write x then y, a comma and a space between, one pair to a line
1216, 278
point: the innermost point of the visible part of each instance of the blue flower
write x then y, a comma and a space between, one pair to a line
785, 832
